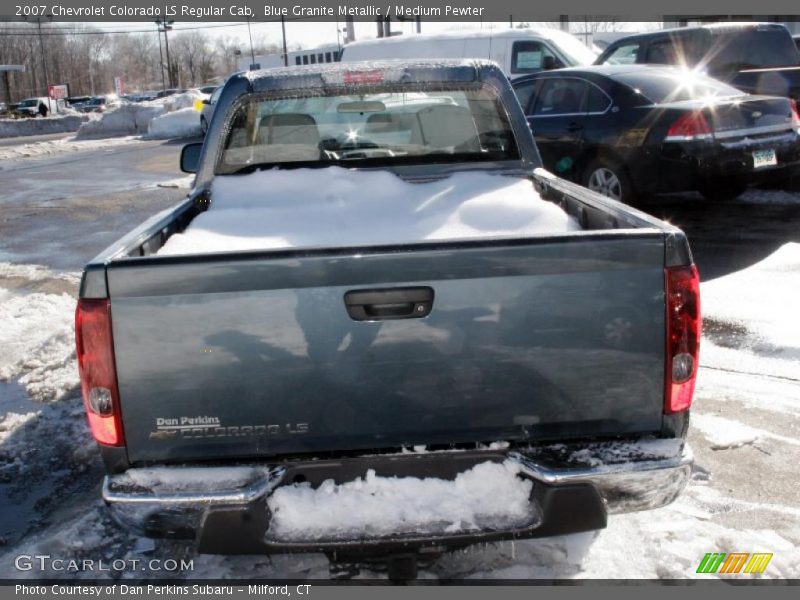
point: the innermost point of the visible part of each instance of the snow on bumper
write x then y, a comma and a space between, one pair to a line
235, 510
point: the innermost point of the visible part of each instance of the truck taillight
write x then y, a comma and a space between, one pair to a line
795, 115
98, 371
683, 336
690, 127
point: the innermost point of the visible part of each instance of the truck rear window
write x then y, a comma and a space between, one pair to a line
454, 125
752, 49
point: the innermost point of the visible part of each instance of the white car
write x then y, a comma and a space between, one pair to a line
517, 51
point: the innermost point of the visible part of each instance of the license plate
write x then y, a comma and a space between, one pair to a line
764, 158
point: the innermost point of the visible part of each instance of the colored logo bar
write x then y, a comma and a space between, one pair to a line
734, 562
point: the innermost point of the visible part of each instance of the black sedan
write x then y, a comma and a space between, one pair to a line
623, 130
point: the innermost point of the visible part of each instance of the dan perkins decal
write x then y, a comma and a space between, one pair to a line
212, 427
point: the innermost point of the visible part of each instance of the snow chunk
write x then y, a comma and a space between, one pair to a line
178, 183
725, 433
10, 422
487, 496
181, 123
341, 207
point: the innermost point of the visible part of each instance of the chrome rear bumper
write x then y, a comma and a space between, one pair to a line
225, 508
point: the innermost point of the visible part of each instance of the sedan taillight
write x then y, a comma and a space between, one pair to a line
795, 115
690, 127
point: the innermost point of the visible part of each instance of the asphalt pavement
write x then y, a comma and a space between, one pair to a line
62, 210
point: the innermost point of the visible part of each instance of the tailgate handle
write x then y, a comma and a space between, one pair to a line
391, 303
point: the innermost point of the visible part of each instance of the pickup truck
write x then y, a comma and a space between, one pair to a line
757, 58
224, 382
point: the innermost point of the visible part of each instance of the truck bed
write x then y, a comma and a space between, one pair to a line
238, 355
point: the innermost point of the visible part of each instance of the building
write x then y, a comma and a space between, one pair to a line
308, 56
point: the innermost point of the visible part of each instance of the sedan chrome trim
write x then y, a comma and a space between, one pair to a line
750, 131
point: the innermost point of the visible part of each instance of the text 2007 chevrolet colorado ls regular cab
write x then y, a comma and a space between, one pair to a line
376, 326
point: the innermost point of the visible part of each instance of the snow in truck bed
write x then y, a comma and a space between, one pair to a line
334, 206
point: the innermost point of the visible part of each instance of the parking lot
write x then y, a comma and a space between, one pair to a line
58, 209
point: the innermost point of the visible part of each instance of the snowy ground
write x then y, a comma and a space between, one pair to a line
745, 425
67, 144
173, 117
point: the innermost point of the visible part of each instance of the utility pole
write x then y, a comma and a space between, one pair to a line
283, 33
161, 58
167, 27
44, 61
252, 52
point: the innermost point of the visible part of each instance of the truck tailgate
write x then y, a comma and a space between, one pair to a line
226, 356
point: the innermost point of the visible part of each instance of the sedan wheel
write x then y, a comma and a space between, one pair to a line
604, 181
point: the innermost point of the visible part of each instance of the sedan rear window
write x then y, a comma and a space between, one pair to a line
664, 86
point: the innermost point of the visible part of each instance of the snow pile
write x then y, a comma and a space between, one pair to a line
488, 496
180, 101
764, 324
69, 144
41, 126
184, 122
38, 342
341, 207
135, 119
127, 119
